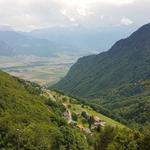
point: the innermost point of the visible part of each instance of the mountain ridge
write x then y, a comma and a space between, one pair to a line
127, 61
21, 44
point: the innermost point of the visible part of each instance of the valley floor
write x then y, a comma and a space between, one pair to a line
42, 70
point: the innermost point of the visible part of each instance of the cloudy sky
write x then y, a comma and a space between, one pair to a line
28, 15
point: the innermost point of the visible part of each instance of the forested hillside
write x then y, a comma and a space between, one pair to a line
128, 61
31, 118
32, 122
128, 103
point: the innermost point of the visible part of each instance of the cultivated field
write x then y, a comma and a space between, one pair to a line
42, 70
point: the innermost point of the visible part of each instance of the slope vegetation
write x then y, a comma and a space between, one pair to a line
32, 118
30, 121
129, 103
115, 82
127, 61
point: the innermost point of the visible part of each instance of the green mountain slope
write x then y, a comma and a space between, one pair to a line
129, 103
32, 118
127, 61
116, 82
33, 122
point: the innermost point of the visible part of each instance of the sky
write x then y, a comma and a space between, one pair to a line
27, 15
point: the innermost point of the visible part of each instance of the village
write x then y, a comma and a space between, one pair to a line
76, 114
91, 123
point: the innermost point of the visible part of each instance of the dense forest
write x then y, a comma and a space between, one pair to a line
128, 103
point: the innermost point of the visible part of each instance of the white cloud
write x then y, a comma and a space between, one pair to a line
64, 12
101, 17
29, 14
72, 19
126, 21
67, 14
119, 2
79, 2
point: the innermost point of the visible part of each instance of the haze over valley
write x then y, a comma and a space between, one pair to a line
44, 56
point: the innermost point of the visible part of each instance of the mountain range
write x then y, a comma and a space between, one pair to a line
16, 43
82, 38
55, 40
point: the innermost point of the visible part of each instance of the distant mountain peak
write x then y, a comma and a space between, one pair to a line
138, 40
142, 32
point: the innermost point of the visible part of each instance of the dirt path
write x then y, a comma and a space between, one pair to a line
69, 113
